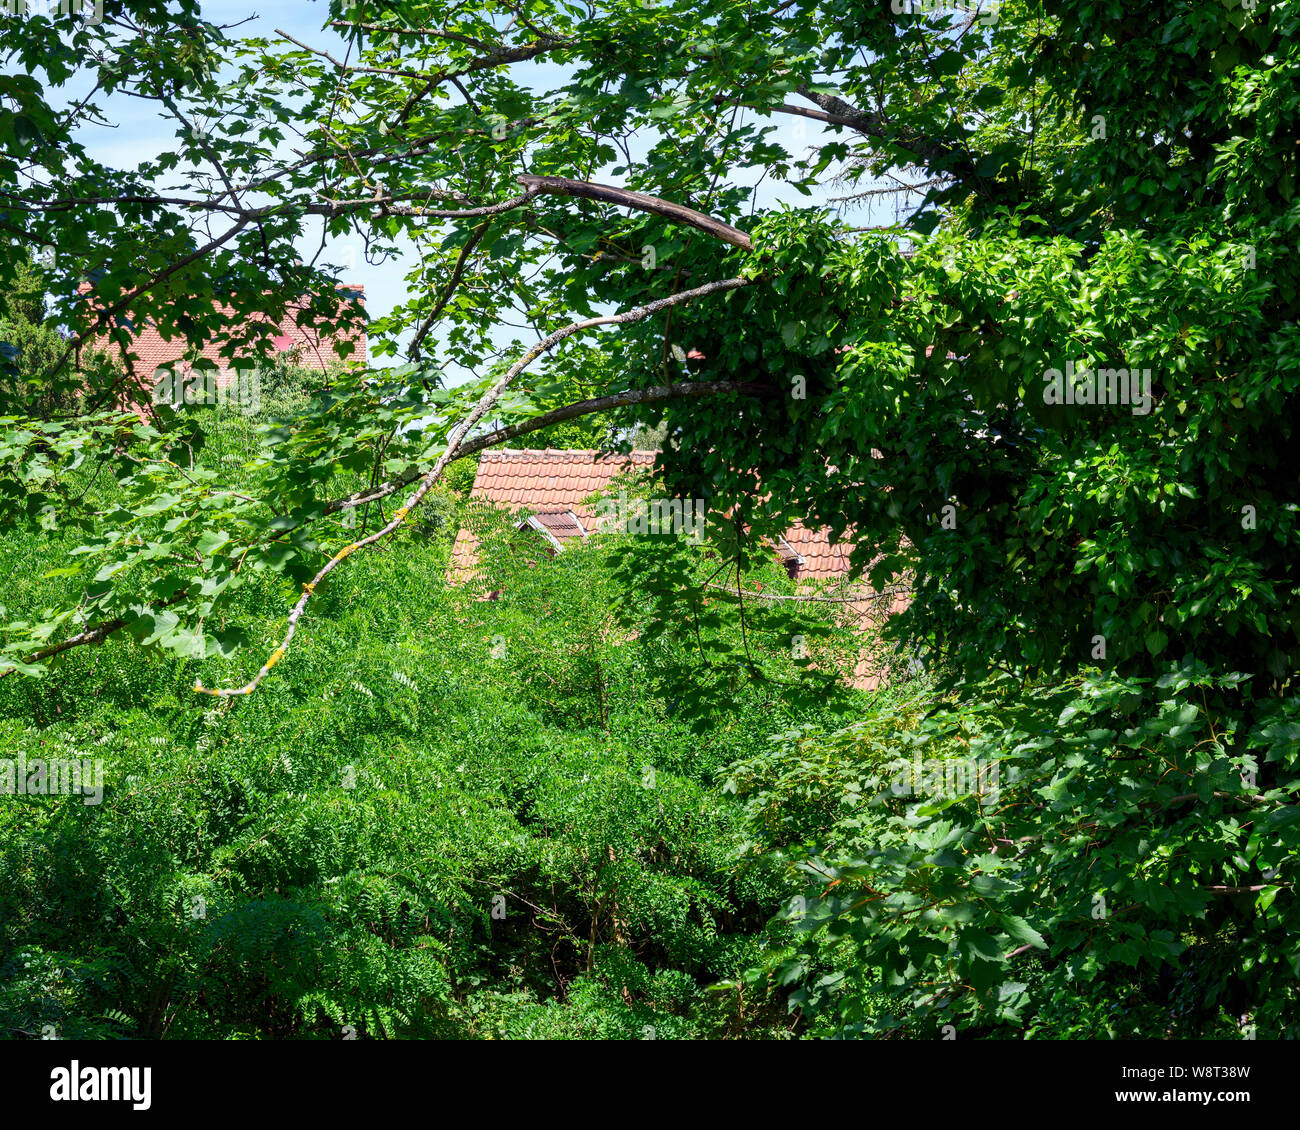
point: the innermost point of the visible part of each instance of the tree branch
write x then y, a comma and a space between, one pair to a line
457, 435
657, 394
495, 57
626, 399
623, 198
952, 159
89, 636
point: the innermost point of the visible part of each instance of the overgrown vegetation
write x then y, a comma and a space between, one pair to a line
1098, 830
457, 818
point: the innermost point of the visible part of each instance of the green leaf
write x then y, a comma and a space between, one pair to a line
1022, 932
977, 943
212, 541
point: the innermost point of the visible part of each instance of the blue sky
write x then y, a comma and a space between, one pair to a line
139, 137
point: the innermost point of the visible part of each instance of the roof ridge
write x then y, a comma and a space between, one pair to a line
566, 451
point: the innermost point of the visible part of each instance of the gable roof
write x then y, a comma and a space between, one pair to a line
556, 526
553, 482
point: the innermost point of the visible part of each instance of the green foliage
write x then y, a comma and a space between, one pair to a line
1106, 595
30, 345
1118, 868
286, 388
456, 818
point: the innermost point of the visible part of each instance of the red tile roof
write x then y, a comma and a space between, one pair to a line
544, 482
561, 524
553, 486
153, 352
821, 560
551, 481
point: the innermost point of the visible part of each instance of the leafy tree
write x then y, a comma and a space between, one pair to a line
1105, 592
30, 344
